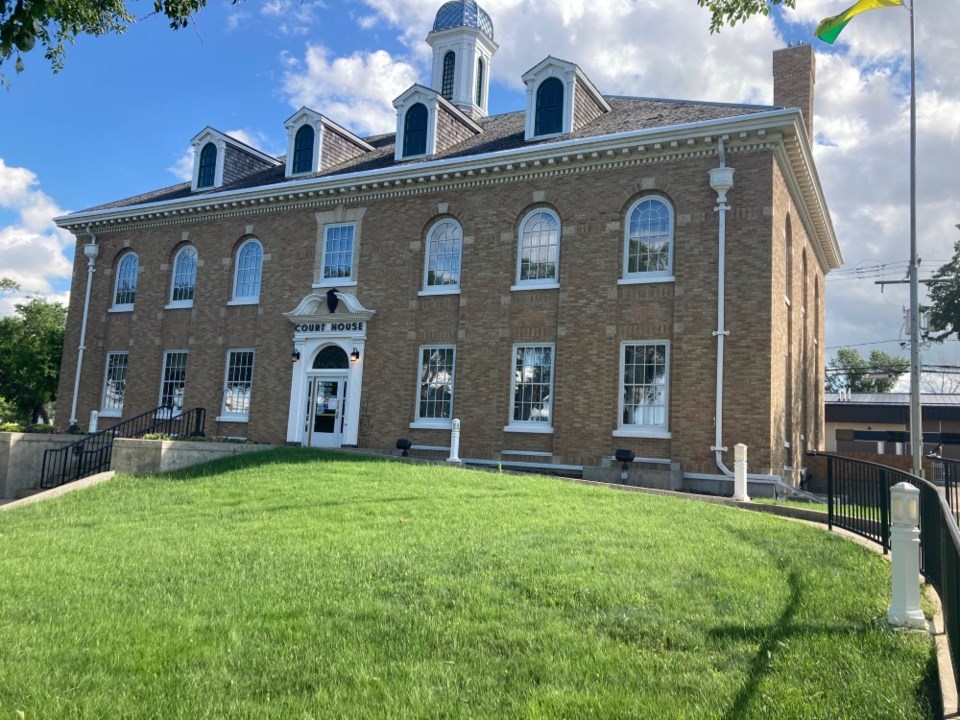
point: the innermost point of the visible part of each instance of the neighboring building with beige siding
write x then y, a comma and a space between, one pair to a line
549, 277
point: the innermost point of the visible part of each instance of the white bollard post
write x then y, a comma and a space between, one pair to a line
454, 442
740, 473
94, 416
905, 557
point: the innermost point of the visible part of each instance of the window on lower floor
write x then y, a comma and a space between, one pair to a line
238, 384
435, 396
532, 386
114, 384
174, 380
645, 372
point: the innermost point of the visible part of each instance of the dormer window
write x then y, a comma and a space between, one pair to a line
549, 120
415, 131
303, 150
208, 166
449, 66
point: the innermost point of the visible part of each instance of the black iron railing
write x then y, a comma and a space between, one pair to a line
946, 474
93, 453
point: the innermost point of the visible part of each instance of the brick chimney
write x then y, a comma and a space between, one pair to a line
793, 80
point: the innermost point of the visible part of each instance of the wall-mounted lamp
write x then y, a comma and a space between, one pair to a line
295, 355
355, 355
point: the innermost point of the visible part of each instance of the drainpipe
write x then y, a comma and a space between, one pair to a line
721, 180
91, 250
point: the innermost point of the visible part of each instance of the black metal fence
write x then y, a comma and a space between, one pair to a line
93, 453
946, 473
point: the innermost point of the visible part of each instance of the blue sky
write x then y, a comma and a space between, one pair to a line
118, 119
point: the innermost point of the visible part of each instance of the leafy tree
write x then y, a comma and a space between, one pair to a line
31, 344
877, 374
24, 23
943, 316
730, 12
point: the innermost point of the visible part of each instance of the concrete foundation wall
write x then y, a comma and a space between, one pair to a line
150, 457
21, 460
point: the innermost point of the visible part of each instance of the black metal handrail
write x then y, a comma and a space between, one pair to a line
946, 473
93, 453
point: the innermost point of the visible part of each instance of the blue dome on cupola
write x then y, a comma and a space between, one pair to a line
463, 13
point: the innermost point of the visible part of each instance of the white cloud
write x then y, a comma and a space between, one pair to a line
33, 251
292, 17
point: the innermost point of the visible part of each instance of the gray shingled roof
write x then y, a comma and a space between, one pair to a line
500, 132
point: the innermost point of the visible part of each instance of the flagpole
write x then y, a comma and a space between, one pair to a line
916, 417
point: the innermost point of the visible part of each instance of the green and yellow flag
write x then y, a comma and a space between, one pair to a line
830, 28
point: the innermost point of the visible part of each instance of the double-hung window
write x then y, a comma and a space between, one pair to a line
174, 380
246, 279
125, 288
338, 241
435, 390
538, 250
648, 241
532, 406
238, 383
442, 262
114, 384
184, 277
645, 383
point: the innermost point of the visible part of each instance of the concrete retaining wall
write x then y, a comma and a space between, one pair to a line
21, 459
150, 457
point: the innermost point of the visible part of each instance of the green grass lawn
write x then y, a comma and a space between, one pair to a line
297, 584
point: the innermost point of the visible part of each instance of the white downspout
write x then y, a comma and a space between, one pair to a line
721, 180
91, 250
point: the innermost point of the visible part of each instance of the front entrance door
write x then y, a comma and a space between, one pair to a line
328, 409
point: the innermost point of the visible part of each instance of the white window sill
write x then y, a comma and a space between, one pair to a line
553, 285
646, 280
178, 305
110, 413
529, 428
652, 433
120, 309
335, 283
232, 417
431, 424
440, 290
245, 301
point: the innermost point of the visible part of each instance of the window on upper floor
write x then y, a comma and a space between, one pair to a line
238, 382
303, 150
644, 373
539, 249
648, 241
442, 258
532, 389
174, 380
125, 286
184, 277
208, 166
415, 131
435, 393
338, 252
114, 384
246, 280
549, 120
449, 67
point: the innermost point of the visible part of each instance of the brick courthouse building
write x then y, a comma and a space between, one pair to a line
548, 276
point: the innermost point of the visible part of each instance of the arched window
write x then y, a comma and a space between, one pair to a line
549, 118
331, 358
479, 100
208, 166
125, 289
415, 131
648, 245
442, 267
246, 282
303, 150
539, 248
446, 83
184, 275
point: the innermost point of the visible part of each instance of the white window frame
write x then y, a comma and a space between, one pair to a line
114, 410
648, 276
252, 299
125, 307
228, 409
177, 396
181, 253
451, 289
531, 426
641, 430
538, 283
349, 280
432, 422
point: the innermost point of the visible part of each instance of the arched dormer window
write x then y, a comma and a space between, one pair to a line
184, 277
549, 119
208, 166
125, 287
479, 94
415, 131
246, 279
303, 150
449, 66
442, 258
539, 249
648, 242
